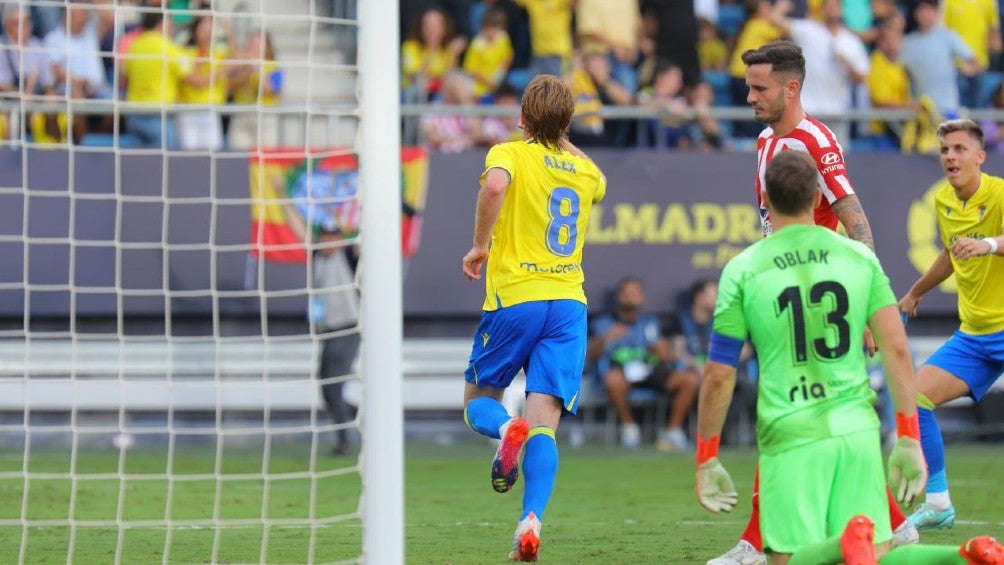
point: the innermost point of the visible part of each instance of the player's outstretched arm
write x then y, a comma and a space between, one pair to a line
940, 270
852, 216
489, 206
907, 469
715, 490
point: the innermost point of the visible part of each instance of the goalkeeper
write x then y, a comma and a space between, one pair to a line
818, 435
820, 454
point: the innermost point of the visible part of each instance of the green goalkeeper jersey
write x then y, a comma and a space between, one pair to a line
803, 296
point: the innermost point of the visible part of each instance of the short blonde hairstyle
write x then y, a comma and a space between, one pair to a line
969, 126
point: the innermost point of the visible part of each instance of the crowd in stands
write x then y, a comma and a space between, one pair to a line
682, 58
148, 54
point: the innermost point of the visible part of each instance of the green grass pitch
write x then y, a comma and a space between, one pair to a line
609, 506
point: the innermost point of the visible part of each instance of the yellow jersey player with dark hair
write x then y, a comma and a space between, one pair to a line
529, 229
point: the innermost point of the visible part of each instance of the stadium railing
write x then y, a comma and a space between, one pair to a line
320, 125
320, 118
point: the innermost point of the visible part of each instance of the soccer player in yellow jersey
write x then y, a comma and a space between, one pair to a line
529, 228
970, 208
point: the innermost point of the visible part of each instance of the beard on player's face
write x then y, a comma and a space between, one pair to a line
773, 112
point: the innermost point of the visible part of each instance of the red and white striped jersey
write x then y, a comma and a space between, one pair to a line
814, 138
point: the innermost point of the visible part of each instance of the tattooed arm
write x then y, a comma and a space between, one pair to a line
852, 216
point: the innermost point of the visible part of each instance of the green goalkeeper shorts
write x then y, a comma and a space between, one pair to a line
809, 493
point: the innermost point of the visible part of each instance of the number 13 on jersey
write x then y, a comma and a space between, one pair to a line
831, 296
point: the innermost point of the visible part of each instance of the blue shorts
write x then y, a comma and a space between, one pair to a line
545, 338
976, 359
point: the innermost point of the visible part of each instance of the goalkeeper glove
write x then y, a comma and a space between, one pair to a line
715, 490
907, 467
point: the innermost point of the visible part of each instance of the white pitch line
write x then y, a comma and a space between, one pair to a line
978, 523
708, 522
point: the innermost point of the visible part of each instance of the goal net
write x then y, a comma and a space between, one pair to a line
187, 202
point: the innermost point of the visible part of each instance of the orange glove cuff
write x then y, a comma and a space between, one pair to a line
706, 449
908, 426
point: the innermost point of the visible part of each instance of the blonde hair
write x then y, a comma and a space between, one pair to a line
969, 126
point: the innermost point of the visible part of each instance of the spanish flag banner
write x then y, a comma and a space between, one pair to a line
323, 189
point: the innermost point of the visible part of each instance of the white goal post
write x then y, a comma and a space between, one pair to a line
380, 178
160, 383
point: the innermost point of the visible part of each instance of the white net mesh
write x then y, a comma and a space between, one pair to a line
159, 373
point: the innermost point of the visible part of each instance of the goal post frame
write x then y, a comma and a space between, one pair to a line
382, 460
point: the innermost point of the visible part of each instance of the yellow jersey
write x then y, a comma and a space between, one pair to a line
416, 58
711, 53
888, 83
755, 33
488, 59
550, 27
536, 245
973, 20
248, 91
216, 91
154, 67
981, 299
587, 102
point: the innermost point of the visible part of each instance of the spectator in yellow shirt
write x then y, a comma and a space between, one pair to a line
550, 35
611, 28
593, 87
203, 129
154, 69
888, 81
257, 83
711, 51
758, 30
430, 52
490, 54
978, 24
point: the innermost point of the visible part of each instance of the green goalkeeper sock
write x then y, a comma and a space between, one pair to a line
927, 554
826, 552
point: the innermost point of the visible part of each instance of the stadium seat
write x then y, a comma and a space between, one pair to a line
654, 408
991, 81
518, 79
478, 10
731, 18
719, 81
125, 140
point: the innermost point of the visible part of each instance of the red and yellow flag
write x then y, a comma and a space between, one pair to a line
323, 188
